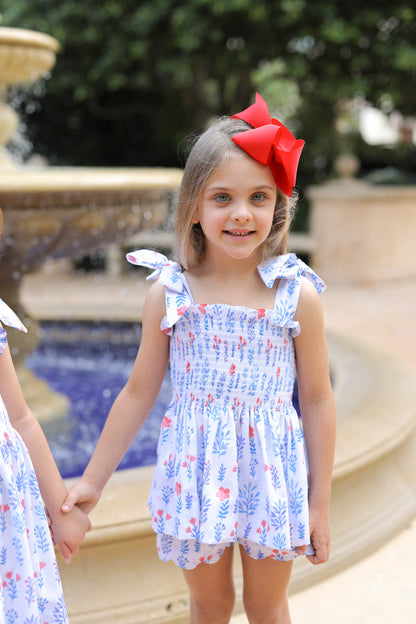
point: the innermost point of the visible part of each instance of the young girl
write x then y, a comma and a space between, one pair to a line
30, 588
238, 318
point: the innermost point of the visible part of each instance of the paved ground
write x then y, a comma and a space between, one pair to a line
381, 589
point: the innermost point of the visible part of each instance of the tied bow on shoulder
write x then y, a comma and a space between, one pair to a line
165, 271
270, 143
288, 267
283, 267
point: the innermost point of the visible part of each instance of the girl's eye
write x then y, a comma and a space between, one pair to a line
222, 197
258, 196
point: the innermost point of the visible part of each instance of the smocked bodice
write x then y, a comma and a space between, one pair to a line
231, 355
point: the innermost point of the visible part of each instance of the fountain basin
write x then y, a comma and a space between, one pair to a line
67, 212
25, 56
374, 495
72, 180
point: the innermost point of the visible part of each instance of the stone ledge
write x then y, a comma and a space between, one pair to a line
363, 233
376, 403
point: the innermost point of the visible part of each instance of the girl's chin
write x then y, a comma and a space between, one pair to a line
252, 255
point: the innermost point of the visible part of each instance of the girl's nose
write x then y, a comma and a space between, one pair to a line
241, 212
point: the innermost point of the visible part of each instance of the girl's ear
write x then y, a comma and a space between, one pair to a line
195, 218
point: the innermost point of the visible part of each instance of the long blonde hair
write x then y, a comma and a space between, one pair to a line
209, 151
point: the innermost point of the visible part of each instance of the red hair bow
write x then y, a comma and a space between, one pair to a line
270, 143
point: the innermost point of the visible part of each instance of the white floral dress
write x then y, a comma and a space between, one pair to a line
31, 591
231, 460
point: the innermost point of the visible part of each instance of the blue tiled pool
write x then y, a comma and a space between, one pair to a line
90, 363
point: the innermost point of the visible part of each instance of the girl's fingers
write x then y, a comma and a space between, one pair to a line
70, 501
321, 555
48, 518
66, 553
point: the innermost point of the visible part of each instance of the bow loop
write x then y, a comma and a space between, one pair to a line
167, 273
282, 267
259, 143
257, 114
8, 317
270, 143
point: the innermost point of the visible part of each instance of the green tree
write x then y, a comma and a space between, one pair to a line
133, 78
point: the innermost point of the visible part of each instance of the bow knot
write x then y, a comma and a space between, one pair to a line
270, 143
167, 273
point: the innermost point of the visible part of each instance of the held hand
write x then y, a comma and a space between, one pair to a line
320, 535
81, 495
68, 531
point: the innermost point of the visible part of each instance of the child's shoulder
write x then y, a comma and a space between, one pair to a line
155, 298
309, 303
308, 293
154, 310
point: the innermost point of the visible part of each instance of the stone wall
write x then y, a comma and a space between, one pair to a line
363, 233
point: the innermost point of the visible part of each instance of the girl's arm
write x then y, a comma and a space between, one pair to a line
68, 531
317, 407
131, 407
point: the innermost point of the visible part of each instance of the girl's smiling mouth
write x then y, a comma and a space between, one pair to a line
239, 233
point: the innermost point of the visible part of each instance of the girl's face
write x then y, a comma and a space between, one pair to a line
236, 208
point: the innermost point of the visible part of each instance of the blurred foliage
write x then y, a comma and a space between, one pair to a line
134, 77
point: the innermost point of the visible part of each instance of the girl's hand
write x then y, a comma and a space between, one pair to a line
82, 495
68, 531
320, 534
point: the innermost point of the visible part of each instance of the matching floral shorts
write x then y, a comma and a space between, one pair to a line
188, 554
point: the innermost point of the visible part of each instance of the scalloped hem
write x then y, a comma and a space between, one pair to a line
188, 554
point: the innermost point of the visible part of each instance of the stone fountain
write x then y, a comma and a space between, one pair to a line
52, 212
25, 56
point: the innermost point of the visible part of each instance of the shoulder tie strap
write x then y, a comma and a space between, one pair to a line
165, 271
290, 268
168, 274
